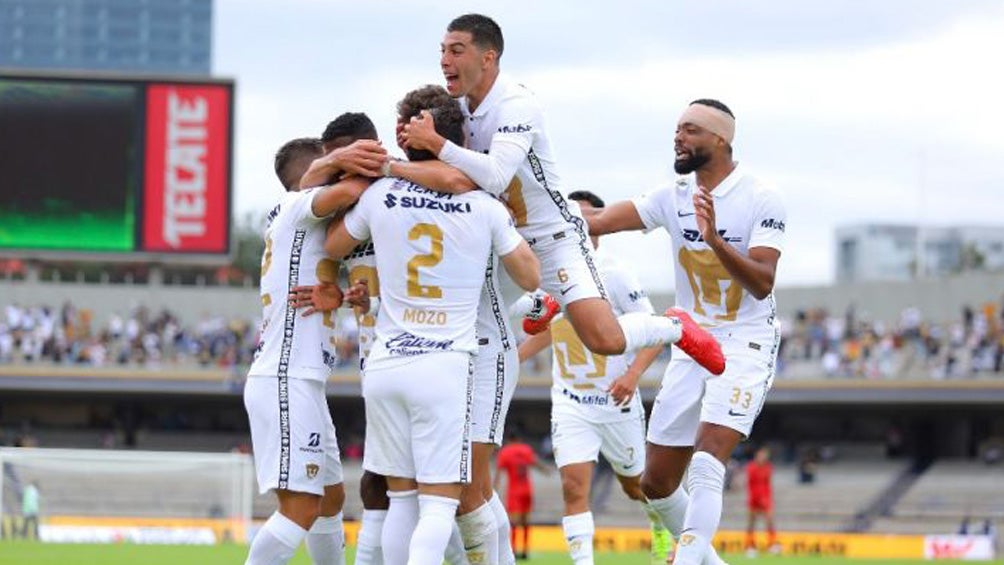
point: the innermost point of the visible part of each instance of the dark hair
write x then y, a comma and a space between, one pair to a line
355, 125
445, 112
580, 195
485, 33
290, 154
428, 96
714, 104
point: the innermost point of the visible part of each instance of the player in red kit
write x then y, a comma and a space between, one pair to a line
760, 500
515, 459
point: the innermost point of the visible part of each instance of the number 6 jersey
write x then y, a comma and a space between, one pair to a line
748, 213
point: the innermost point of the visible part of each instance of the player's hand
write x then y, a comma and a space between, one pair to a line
358, 296
704, 208
402, 141
363, 157
420, 133
323, 297
622, 390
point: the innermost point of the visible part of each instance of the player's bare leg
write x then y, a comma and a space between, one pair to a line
772, 545
750, 544
660, 534
577, 522
474, 516
373, 493
520, 520
278, 539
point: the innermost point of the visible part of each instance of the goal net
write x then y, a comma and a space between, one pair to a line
98, 496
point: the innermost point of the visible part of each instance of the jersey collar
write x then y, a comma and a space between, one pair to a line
729, 182
491, 99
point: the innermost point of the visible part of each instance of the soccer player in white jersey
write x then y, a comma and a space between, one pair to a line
433, 251
727, 228
483, 521
295, 448
508, 154
363, 296
596, 408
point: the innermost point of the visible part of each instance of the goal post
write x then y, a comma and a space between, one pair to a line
89, 495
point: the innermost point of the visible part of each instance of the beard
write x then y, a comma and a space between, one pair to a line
697, 159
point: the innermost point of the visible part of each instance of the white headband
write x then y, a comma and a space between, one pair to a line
712, 119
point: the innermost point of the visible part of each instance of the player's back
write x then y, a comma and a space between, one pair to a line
433, 251
294, 255
516, 458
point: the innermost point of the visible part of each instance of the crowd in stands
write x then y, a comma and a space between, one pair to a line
849, 345
815, 343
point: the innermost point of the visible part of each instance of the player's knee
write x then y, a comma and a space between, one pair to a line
604, 342
633, 490
373, 491
573, 488
658, 486
333, 500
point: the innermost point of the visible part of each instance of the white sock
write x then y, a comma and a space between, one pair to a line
648, 330
480, 535
276, 541
672, 511
368, 550
435, 524
455, 552
506, 555
579, 531
705, 480
398, 525
653, 516
326, 541
525, 304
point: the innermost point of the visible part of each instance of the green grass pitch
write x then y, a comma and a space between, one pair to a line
27, 553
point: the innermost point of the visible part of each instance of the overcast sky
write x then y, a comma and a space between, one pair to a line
858, 110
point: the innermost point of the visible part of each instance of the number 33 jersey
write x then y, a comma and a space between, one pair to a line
748, 213
434, 250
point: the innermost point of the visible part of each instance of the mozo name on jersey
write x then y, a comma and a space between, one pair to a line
427, 203
695, 235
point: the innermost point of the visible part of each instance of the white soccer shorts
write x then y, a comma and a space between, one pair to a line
418, 417
495, 375
690, 395
568, 270
292, 435
577, 439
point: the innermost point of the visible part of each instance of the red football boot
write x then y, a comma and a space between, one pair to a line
541, 314
700, 345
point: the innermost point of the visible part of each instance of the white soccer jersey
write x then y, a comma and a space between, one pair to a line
511, 115
291, 345
581, 377
493, 319
433, 251
361, 265
748, 213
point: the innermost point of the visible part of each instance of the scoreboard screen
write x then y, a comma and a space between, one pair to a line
114, 165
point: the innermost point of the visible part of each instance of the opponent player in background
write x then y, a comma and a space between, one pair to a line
760, 501
596, 408
727, 229
515, 459
433, 248
295, 447
508, 154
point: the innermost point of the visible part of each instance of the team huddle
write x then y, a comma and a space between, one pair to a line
423, 242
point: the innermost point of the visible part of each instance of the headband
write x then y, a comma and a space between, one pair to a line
712, 119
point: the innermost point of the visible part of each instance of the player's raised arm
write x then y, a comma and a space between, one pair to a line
433, 174
338, 197
621, 216
364, 157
